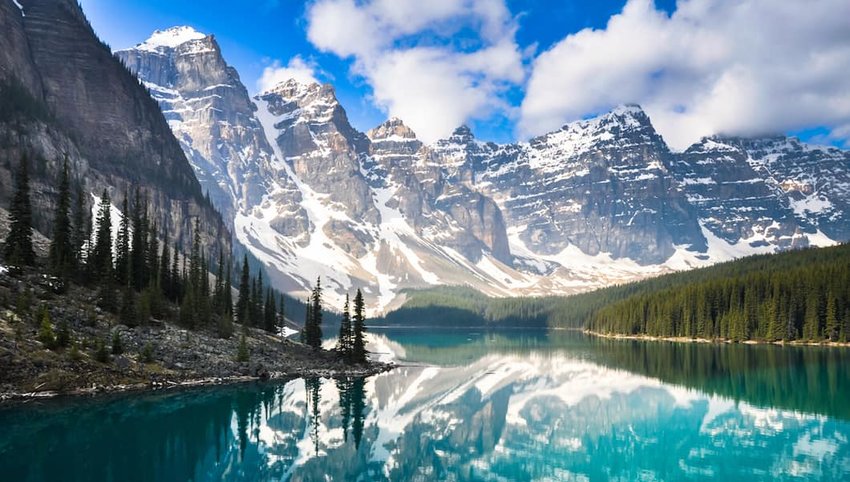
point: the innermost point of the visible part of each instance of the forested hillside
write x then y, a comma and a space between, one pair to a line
789, 296
802, 295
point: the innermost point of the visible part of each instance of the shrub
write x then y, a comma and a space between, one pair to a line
117, 346
147, 353
63, 334
45, 332
101, 354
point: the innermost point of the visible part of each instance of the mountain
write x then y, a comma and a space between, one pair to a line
597, 202
209, 111
64, 92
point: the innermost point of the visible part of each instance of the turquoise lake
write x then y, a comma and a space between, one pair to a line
469, 405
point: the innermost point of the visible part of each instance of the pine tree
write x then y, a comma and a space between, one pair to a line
270, 313
18, 248
63, 334
831, 328
314, 326
244, 300
79, 230
228, 292
811, 321
117, 345
282, 318
138, 250
101, 353
218, 292
358, 343
152, 263
61, 250
45, 331
243, 354
174, 277
165, 266
122, 248
129, 315
308, 320
101, 256
344, 341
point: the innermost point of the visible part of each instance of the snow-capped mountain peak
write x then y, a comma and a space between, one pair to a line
599, 201
170, 38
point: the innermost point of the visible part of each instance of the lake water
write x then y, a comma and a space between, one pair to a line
470, 405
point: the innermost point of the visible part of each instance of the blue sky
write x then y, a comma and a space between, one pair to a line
563, 60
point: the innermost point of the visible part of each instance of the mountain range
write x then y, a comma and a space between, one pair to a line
599, 201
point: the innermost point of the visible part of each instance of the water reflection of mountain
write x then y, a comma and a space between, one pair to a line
813, 380
510, 413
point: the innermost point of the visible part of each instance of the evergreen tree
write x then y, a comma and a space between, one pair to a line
358, 342
45, 331
62, 257
228, 292
244, 300
811, 323
117, 345
218, 292
79, 226
63, 334
101, 256
18, 248
174, 277
281, 318
831, 328
152, 263
122, 246
243, 354
138, 250
270, 313
165, 266
344, 341
129, 315
308, 320
314, 326
101, 353
225, 325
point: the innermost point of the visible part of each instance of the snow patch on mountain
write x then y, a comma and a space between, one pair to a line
170, 38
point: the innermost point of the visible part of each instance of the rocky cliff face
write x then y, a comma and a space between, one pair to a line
602, 186
97, 113
209, 111
599, 201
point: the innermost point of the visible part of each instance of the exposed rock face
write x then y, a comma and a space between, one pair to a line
601, 185
597, 202
209, 111
114, 133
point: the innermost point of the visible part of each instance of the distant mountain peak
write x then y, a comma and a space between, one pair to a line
293, 89
392, 127
171, 38
463, 132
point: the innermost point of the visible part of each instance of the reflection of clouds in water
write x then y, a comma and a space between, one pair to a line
519, 414
514, 416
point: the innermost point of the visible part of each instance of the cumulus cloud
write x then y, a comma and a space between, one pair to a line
409, 52
744, 67
297, 68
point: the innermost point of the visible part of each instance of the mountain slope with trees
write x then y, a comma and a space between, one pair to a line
797, 295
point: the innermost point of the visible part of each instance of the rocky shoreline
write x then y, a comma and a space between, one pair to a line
156, 355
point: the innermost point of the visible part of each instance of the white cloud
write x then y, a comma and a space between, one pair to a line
406, 50
740, 67
297, 68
